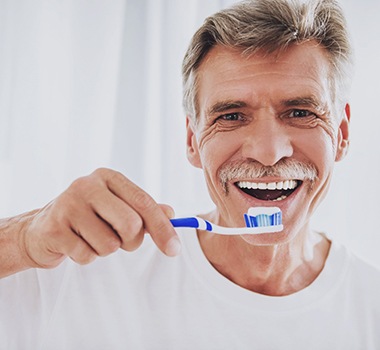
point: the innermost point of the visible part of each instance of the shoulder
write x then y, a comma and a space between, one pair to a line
362, 283
360, 265
364, 271
352, 262
356, 274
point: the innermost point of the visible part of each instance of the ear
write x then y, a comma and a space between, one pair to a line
343, 134
192, 144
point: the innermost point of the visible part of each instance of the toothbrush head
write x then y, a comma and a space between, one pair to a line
263, 216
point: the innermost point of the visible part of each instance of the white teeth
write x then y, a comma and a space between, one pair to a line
280, 185
279, 199
262, 186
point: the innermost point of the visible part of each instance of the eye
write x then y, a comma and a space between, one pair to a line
301, 113
232, 117
302, 118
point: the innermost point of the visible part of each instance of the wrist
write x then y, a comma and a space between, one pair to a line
14, 255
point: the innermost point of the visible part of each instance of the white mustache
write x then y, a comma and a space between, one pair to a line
251, 169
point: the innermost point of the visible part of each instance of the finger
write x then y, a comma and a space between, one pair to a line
156, 223
97, 233
168, 210
68, 243
154, 218
81, 252
123, 220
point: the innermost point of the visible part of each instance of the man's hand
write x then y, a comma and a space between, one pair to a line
95, 216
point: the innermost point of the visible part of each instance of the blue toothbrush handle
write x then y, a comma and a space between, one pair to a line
192, 222
185, 222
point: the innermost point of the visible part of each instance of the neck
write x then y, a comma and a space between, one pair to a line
275, 270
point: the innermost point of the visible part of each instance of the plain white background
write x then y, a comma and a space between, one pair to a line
91, 83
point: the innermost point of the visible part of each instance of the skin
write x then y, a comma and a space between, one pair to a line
267, 109
97, 215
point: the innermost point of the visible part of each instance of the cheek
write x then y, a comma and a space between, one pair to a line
217, 148
319, 148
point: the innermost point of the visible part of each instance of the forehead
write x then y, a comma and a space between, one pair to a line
227, 74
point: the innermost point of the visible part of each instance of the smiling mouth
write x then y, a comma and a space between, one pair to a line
269, 191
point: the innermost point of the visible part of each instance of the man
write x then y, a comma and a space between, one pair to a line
265, 92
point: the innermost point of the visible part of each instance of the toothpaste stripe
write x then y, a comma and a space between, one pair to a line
261, 220
247, 221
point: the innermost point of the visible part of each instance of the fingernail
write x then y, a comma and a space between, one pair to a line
173, 248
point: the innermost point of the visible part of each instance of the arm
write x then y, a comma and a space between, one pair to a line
95, 216
13, 257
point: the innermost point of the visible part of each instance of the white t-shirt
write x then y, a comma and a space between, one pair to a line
145, 300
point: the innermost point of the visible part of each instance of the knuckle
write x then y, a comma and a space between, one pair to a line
109, 246
85, 259
102, 172
128, 225
113, 176
83, 255
79, 190
133, 244
132, 225
80, 183
167, 210
132, 233
143, 201
85, 189
99, 175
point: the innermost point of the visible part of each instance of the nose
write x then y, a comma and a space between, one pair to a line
267, 141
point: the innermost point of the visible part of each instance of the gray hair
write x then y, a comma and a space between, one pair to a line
272, 26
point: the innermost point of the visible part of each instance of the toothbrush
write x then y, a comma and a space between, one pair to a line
258, 220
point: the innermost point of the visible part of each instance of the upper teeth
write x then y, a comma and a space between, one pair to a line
280, 185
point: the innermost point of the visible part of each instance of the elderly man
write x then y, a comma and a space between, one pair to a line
265, 92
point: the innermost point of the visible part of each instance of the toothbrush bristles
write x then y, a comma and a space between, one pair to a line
262, 220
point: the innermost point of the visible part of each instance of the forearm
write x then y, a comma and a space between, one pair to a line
13, 256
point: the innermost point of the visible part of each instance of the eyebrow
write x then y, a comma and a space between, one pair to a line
302, 101
223, 106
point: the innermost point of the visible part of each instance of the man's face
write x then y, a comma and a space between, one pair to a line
259, 116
